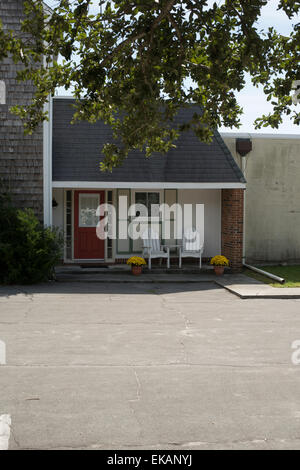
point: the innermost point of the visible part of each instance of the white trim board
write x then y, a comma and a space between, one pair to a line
142, 185
47, 163
258, 135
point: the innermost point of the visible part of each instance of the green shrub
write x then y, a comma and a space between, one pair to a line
28, 251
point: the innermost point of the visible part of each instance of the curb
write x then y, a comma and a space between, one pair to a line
259, 296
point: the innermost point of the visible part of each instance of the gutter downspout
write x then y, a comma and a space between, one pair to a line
265, 273
244, 211
243, 146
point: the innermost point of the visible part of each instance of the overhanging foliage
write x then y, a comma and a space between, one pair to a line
136, 62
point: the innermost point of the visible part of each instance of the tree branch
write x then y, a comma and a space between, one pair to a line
134, 38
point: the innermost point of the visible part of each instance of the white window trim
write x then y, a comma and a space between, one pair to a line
157, 191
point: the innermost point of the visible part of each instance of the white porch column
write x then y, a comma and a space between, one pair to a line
47, 164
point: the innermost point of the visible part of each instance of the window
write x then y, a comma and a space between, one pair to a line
147, 215
88, 204
150, 201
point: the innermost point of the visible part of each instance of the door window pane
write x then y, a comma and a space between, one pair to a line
88, 204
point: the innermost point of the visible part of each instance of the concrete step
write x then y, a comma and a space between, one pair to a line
121, 269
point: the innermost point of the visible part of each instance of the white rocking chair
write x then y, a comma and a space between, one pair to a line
152, 247
192, 246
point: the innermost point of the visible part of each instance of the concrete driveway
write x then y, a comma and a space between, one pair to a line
135, 366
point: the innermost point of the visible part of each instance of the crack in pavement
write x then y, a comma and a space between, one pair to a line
16, 441
186, 326
135, 400
138, 389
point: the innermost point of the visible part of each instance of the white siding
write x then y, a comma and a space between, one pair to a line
211, 199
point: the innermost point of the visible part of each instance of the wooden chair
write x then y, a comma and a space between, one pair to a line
152, 247
192, 246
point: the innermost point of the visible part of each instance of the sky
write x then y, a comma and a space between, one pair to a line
251, 99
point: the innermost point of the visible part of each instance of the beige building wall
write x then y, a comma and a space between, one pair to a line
272, 218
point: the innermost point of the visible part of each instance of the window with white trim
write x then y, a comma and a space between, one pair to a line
150, 200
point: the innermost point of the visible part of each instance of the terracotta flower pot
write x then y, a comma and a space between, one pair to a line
136, 270
219, 270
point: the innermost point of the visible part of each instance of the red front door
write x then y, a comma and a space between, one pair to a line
86, 243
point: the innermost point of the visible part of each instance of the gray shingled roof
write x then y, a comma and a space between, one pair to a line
77, 153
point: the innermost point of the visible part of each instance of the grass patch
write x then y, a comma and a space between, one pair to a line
291, 274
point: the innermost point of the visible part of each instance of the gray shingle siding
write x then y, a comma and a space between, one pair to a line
77, 154
21, 157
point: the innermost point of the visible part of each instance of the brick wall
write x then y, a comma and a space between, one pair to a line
232, 226
21, 157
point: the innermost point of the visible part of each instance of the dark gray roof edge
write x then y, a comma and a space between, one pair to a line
229, 157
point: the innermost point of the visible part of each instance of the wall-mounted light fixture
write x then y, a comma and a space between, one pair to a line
54, 202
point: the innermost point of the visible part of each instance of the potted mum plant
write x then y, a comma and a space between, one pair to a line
219, 262
136, 264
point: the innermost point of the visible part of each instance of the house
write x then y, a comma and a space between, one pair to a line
192, 173
54, 169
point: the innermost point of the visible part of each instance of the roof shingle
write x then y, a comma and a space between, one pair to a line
77, 154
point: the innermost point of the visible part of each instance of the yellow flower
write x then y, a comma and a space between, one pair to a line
219, 260
136, 261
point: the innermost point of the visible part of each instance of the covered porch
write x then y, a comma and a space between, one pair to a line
222, 231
